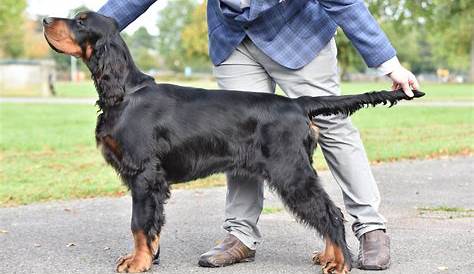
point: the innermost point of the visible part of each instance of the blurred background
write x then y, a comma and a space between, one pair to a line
47, 112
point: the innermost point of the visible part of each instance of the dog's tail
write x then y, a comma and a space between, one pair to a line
348, 104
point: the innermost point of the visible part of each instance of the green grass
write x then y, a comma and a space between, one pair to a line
435, 92
80, 89
47, 152
415, 132
443, 212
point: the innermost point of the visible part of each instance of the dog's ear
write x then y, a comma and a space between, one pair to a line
108, 64
100, 58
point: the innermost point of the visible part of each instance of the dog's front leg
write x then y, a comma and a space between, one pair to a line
149, 192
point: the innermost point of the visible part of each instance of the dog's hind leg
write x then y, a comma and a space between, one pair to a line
149, 192
298, 186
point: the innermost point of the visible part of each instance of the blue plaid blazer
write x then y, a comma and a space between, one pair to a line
291, 32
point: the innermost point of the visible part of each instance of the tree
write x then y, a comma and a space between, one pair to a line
145, 59
445, 30
194, 38
348, 58
141, 38
452, 26
171, 22
35, 45
11, 25
142, 47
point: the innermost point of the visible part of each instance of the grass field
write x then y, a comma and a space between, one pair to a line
435, 92
47, 151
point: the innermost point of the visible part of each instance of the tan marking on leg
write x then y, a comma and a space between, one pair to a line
141, 259
314, 129
154, 245
331, 259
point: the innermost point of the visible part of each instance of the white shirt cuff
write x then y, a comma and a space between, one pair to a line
388, 66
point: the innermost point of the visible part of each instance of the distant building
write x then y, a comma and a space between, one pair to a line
26, 77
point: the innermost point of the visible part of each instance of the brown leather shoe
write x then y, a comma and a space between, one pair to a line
230, 251
374, 251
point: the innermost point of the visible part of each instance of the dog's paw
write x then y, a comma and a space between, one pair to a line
320, 258
329, 264
133, 263
333, 268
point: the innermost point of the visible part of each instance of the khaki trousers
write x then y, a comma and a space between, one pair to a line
249, 69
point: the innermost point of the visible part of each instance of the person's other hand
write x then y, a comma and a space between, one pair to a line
404, 79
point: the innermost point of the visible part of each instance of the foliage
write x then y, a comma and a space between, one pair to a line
452, 26
444, 28
35, 44
141, 39
171, 22
194, 37
414, 49
11, 24
145, 59
428, 34
348, 58
142, 48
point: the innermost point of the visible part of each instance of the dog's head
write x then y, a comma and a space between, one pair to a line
80, 35
96, 39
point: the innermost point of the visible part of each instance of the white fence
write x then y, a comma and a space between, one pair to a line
25, 77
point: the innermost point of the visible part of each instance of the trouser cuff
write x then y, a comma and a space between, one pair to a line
245, 239
368, 228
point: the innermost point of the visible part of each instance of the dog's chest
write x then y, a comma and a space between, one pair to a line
108, 145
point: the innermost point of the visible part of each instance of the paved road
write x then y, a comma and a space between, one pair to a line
91, 101
37, 238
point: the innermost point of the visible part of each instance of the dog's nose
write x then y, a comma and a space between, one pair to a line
47, 20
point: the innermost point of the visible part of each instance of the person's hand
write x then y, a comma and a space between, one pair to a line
404, 79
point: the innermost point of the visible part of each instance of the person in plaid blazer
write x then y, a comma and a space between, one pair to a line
256, 44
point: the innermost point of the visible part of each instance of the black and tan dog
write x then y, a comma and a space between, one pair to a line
158, 134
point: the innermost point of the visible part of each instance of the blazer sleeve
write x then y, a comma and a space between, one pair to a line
362, 30
125, 11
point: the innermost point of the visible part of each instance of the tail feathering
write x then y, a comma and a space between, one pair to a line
348, 104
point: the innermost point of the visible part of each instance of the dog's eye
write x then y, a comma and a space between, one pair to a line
80, 23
